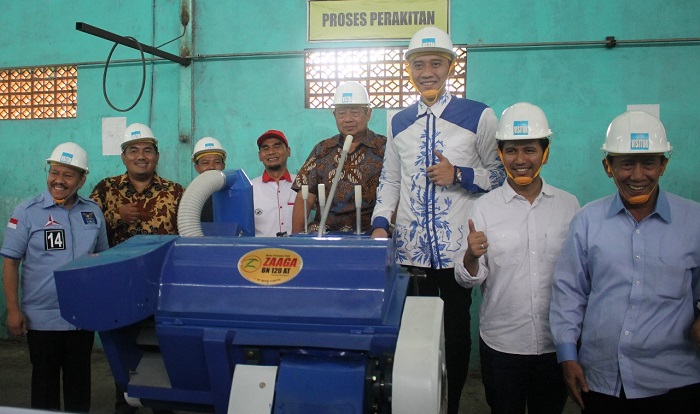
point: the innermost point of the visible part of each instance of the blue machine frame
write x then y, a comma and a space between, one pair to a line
325, 311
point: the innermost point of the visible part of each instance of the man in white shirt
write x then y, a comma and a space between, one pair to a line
515, 235
273, 196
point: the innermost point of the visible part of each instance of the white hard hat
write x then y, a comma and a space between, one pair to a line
70, 154
351, 93
636, 132
138, 133
523, 121
207, 145
430, 40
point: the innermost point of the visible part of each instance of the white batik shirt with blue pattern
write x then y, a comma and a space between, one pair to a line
431, 220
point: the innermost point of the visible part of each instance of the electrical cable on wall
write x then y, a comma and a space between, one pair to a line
143, 78
135, 44
143, 65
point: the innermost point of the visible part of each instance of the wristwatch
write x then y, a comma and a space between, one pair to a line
458, 176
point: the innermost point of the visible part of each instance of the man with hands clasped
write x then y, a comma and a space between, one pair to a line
138, 201
515, 234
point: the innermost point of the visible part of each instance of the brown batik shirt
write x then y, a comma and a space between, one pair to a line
363, 166
158, 203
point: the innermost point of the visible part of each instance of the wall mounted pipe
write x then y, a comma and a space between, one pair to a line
689, 41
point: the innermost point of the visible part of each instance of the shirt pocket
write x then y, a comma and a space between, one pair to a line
292, 197
504, 248
90, 232
671, 276
554, 241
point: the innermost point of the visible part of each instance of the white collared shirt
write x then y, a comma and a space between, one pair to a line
274, 203
524, 241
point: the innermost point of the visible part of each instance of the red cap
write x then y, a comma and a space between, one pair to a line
273, 133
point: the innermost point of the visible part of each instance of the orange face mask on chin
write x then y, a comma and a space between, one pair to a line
431, 95
524, 180
635, 200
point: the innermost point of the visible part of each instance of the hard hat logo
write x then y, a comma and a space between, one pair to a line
70, 154
520, 128
639, 142
351, 93
207, 145
636, 132
136, 133
428, 42
66, 158
523, 120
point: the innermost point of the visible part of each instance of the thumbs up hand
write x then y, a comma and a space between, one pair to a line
441, 173
477, 243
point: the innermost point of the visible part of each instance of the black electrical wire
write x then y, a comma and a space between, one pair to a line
184, 29
143, 78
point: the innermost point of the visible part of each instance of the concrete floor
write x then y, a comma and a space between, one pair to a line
15, 376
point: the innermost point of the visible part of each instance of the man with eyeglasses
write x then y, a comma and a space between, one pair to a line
362, 167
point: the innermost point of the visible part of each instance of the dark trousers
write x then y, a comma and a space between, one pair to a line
457, 301
513, 382
56, 356
684, 400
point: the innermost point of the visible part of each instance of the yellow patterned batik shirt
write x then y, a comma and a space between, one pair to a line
158, 203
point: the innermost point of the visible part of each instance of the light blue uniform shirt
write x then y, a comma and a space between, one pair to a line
44, 237
628, 290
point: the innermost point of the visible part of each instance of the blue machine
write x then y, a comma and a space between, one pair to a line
244, 324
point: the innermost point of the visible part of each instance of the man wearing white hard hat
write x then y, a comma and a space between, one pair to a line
273, 197
440, 156
352, 112
623, 313
137, 202
208, 154
515, 234
43, 234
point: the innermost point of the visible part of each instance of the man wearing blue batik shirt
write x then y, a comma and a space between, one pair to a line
43, 234
440, 155
627, 283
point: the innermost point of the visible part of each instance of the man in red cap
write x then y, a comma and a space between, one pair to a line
273, 196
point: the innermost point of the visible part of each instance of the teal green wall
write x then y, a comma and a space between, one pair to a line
236, 99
